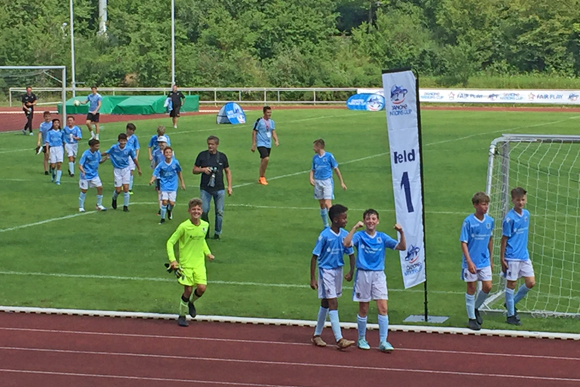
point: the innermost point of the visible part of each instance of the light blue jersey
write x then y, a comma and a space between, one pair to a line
323, 166
68, 133
330, 250
90, 162
43, 129
120, 157
264, 129
167, 175
476, 233
54, 138
133, 142
94, 101
370, 250
515, 227
153, 142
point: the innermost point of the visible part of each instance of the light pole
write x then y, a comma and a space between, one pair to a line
172, 42
72, 50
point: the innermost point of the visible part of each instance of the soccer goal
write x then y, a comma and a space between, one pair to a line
548, 167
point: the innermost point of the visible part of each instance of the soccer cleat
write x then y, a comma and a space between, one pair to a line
92, 135
174, 126
57, 182
24, 132
478, 317
385, 346
515, 310
362, 343
46, 173
81, 210
191, 309
130, 192
317, 340
162, 221
31, 134
72, 175
262, 180
472, 324
344, 343
125, 209
182, 321
216, 237
114, 204
513, 320
100, 207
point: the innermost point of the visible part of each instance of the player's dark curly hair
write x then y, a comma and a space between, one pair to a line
336, 210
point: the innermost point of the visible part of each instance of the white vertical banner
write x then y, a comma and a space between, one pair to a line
400, 88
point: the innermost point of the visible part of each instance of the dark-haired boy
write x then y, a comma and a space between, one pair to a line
89, 177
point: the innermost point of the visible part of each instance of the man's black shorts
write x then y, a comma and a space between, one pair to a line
264, 152
174, 112
93, 117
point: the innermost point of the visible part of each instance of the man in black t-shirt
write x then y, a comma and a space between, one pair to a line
28, 102
212, 164
176, 101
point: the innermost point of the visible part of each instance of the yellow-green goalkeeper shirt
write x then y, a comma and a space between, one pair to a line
192, 245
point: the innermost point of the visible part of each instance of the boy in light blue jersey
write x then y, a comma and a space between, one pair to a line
370, 282
54, 145
42, 132
119, 155
514, 256
89, 167
168, 173
262, 134
153, 141
323, 163
157, 158
133, 142
477, 247
328, 253
71, 134
94, 100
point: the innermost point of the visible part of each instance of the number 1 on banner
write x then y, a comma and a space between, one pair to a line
407, 186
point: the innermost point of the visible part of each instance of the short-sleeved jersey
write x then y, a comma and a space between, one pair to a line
176, 97
43, 129
192, 245
54, 138
370, 250
153, 142
29, 98
120, 157
217, 160
516, 227
323, 166
476, 233
75, 131
264, 129
167, 175
330, 250
133, 142
94, 101
90, 162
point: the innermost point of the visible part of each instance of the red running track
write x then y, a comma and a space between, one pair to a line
57, 350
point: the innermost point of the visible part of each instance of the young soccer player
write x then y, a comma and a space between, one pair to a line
119, 155
133, 142
477, 248
157, 158
71, 134
264, 131
328, 254
152, 146
54, 144
94, 100
167, 173
370, 282
192, 250
89, 167
515, 259
42, 132
323, 163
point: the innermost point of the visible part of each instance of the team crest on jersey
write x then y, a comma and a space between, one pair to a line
379, 240
525, 218
203, 229
488, 226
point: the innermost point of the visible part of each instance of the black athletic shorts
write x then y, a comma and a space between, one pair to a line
93, 117
174, 112
264, 152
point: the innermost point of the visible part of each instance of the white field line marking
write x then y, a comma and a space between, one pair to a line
175, 381
16, 150
47, 221
294, 364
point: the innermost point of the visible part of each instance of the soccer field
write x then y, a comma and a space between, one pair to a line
52, 256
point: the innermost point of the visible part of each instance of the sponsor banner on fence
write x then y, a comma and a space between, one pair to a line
366, 101
556, 97
403, 129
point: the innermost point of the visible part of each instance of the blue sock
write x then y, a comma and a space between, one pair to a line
115, 195
71, 167
163, 211
324, 216
126, 199
361, 323
509, 301
470, 305
481, 296
335, 323
131, 184
383, 327
322, 312
522, 291
82, 197
99, 200
58, 175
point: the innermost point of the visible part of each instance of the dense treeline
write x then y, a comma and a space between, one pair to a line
290, 43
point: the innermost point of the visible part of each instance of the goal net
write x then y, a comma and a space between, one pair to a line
48, 84
548, 167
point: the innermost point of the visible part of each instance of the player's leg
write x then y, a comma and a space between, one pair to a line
97, 129
174, 121
320, 320
59, 151
99, 185
132, 167
361, 324
527, 272
264, 158
485, 276
118, 182
45, 159
218, 200
332, 280
384, 345
164, 198
30, 119
172, 196
89, 123
183, 308
200, 279
126, 195
361, 293
70, 152
470, 280
83, 185
205, 205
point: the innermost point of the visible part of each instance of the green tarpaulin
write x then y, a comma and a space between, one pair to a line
122, 104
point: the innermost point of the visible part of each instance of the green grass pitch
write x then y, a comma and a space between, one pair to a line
52, 256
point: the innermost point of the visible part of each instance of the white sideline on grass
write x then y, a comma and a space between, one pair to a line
288, 322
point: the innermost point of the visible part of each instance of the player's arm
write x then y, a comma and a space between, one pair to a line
502, 247
39, 139
137, 165
153, 178
312, 177
180, 177
340, 178
170, 246
98, 107
347, 242
207, 251
254, 133
470, 266
313, 282
275, 137
149, 151
402, 245
229, 180
349, 275
490, 248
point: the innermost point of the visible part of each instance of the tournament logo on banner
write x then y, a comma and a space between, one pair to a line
403, 130
366, 101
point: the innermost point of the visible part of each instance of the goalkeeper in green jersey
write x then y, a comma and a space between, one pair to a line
193, 250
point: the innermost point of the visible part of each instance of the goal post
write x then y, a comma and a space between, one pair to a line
548, 167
